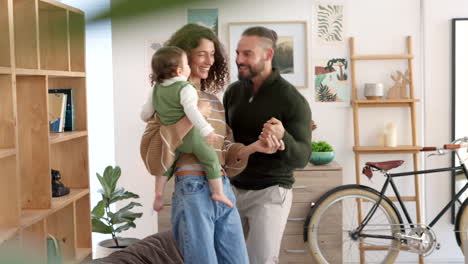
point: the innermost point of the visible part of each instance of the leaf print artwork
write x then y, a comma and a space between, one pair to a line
331, 80
330, 23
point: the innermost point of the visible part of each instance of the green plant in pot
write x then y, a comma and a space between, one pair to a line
107, 222
322, 153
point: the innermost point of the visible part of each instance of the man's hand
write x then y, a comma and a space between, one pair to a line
204, 108
269, 144
211, 139
273, 127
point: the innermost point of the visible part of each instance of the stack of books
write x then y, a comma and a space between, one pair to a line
61, 110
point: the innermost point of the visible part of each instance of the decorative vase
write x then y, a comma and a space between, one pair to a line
321, 158
107, 247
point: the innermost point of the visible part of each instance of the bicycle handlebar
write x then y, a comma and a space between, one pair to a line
428, 149
452, 146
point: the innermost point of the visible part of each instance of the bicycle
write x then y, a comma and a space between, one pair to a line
374, 231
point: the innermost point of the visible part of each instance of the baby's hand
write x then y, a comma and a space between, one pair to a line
211, 138
204, 108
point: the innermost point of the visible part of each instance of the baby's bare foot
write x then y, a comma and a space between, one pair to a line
222, 198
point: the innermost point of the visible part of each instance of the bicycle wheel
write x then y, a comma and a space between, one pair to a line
461, 226
334, 218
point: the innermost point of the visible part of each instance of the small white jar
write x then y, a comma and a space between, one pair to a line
373, 91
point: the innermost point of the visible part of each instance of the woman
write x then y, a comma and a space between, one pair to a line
206, 231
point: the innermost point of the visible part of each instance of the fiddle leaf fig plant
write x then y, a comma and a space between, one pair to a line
103, 219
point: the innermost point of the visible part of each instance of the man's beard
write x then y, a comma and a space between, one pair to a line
259, 67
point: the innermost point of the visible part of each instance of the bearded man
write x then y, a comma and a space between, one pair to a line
264, 103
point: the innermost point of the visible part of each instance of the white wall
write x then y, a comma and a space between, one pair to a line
100, 96
378, 26
438, 89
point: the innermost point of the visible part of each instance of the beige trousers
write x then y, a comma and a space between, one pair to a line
264, 214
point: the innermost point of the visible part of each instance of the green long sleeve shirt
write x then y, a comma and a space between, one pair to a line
247, 112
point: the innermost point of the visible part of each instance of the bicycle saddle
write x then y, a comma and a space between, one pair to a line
384, 165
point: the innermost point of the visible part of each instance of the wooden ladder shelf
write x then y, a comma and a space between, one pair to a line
363, 150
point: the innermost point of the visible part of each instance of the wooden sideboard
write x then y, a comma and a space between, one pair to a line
311, 183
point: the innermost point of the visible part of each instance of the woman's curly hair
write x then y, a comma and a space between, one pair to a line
187, 38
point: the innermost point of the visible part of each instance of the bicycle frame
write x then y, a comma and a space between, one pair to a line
389, 181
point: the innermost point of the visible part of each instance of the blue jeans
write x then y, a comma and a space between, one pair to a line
206, 231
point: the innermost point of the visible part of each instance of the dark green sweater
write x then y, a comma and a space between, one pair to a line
246, 113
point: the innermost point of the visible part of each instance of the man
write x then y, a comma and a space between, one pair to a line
262, 102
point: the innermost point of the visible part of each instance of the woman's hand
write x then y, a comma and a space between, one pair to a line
158, 203
269, 144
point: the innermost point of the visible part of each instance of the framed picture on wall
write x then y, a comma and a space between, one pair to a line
291, 54
204, 17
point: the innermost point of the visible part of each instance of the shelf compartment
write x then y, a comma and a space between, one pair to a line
65, 136
26, 34
64, 6
34, 72
33, 138
71, 159
74, 195
34, 240
4, 34
76, 27
53, 37
81, 254
83, 223
5, 70
31, 216
7, 117
79, 92
385, 103
7, 152
9, 191
61, 225
386, 150
7, 233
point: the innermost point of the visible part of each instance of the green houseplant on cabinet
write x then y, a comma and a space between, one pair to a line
322, 153
107, 222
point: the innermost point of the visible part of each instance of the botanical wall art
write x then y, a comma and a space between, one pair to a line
331, 80
330, 23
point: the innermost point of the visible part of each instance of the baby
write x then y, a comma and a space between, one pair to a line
173, 98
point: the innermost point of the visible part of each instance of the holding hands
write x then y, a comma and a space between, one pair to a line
272, 127
270, 140
269, 144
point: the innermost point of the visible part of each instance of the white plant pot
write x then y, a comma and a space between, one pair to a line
106, 247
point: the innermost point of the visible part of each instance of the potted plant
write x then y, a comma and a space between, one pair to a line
322, 153
107, 222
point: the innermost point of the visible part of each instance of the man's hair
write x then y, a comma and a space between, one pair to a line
268, 36
188, 38
165, 62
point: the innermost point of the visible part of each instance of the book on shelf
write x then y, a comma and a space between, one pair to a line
70, 109
57, 106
